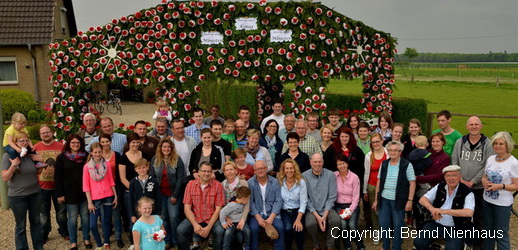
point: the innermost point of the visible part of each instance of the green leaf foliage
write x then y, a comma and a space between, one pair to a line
14, 100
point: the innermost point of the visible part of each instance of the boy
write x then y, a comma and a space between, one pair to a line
364, 139
234, 211
143, 185
420, 159
228, 133
334, 120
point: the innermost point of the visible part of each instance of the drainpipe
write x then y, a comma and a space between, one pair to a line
34, 74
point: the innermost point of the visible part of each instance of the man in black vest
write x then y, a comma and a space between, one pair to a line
451, 205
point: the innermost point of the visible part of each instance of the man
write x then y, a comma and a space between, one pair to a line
265, 205
451, 135
49, 149
217, 129
203, 199
118, 140
183, 144
451, 205
195, 129
148, 144
244, 114
307, 144
471, 153
313, 130
322, 195
89, 131
289, 126
277, 115
240, 132
334, 119
161, 130
214, 115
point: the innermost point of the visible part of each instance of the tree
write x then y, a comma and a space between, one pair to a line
411, 53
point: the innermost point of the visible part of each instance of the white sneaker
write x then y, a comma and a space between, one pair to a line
24, 152
131, 247
376, 242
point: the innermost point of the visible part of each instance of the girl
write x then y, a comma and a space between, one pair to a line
18, 123
163, 110
385, 125
146, 226
99, 186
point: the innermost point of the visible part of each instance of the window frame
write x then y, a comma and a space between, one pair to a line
13, 60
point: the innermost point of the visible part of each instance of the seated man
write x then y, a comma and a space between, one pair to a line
451, 204
203, 200
265, 205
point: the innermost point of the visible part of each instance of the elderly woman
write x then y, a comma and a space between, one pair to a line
207, 151
294, 152
326, 132
255, 152
396, 175
500, 180
414, 130
294, 200
24, 194
69, 187
272, 141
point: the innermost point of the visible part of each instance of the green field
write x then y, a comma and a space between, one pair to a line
460, 94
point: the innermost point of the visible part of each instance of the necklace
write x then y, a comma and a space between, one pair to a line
503, 158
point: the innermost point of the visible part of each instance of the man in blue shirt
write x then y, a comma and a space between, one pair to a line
195, 129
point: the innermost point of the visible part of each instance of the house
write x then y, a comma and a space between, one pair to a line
26, 29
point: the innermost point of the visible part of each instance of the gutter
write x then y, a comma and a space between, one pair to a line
34, 74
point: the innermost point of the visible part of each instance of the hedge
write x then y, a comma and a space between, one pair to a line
14, 100
230, 96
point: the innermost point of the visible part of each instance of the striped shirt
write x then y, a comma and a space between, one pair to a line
389, 190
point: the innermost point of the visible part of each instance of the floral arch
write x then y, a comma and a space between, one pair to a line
176, 45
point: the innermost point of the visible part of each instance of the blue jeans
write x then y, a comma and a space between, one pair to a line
424, 243
106, 218
128, 215
254, 232
185, 232
388, 215
117, 221
48, 196
351, 225
11, 152
496, 218
21, 205
170, 213
288, 219
74, 210
232, 232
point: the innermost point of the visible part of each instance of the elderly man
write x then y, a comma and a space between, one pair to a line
471, 153
183, 144
161, 130
451, 204
289, 126
307, 144
277, 115
148, 144
265, 205
194, 130
89, 131
240, 132
118, 140
322, 193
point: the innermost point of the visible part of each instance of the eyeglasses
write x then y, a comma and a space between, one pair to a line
394, 150
23, 140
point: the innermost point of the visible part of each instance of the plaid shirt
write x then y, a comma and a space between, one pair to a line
308, 145
204, 202
195, 132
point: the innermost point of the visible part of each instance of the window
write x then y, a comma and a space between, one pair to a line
8, 72
63, 17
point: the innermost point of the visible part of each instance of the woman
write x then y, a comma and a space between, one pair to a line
326, 132
168, 168
294, 153
353, 122
397, 133
112, 159
414, 130
348, 197
399, 179
385, 125
69, 187
255, 152
272, 141
206, 151
24, 193
500, 180
294, 200
373, 161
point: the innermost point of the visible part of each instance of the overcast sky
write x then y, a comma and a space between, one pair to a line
452, 26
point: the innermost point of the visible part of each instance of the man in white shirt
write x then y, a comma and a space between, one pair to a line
183, 144
277, 115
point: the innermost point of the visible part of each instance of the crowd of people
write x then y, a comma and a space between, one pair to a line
223, 181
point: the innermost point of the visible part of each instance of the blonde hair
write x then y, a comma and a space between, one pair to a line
141, 162
374, 134
253, 132
144, 200
328, 126
18, 118
282, 175
160, 157
160, 103
92, 147
506, 137
421, 141
20, 135
231, 163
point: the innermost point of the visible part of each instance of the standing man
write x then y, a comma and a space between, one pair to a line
334, 119
451, 135
183, 144
89, 131
471, 153
195, 129
313, 130
161, 130
307, 144
118, 140
289, 126
49, 149
203, 199
244, 114
217, 129
322, 193
214, 115
148, 144
240, 132
277, 115
265, 205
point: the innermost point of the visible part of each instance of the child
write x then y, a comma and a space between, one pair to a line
228, 133
420, 159
385, 125
99, 186
163, 110
143, 185
364, 139
244, 171
146, 226
18, 123
234, 211
334, 119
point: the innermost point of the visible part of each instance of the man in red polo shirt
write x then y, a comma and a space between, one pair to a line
203, 199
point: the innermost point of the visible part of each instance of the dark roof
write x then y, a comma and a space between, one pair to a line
26, 21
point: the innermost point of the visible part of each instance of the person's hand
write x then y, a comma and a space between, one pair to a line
196, 175
298, 226
61, 199
270, 220
172, 200
262, 223
225, 226
375, 206
114, 203
240, 225
436, 213
494, 187
485, 181
91, 207
408, 206
229, 222
197, 228
16, 161
205, 232
366, 197
322, 224
133, 219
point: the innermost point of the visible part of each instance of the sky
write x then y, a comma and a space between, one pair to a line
448, 26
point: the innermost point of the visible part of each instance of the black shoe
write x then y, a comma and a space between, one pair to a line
120, 243
89, 245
